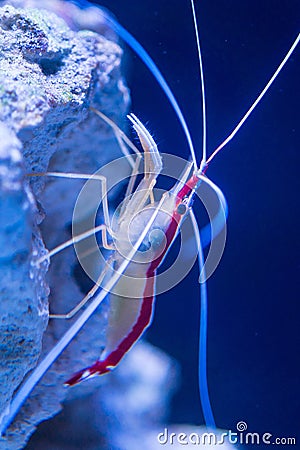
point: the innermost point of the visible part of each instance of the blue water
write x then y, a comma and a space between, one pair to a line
253, 338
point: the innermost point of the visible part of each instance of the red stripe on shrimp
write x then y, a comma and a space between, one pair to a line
101, 367
105, 365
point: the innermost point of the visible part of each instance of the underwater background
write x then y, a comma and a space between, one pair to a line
253, 329
253, 296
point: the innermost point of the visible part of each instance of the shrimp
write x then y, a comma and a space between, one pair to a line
144, 233
131, 308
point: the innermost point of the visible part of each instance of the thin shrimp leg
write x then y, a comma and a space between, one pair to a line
104, 228
75, 240
87, 297
152, 163
91, 293
82, 176
121, 137
122, 140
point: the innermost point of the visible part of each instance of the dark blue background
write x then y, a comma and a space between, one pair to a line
253, 350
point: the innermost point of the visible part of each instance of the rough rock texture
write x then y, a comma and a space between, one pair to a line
92, 19
23, 306
49, 76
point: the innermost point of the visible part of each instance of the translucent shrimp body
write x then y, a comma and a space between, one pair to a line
131, 310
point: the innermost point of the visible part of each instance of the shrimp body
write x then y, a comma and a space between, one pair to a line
131, 310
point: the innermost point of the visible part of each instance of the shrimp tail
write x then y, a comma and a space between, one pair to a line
98, 368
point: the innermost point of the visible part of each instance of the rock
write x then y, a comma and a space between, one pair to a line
24, 293
75, 18
49, 77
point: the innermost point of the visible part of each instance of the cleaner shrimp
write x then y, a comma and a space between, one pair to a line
165, 215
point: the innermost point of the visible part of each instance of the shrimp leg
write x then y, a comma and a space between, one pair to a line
122, 140
87, 297
75, 240
83, 176
104, 228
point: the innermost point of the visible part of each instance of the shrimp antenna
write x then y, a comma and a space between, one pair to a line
203, 238
210, 231
256, 102
202, 358
204, 126
148, 61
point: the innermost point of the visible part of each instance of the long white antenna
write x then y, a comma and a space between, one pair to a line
148, 61
263, 92
202, 350
203, 161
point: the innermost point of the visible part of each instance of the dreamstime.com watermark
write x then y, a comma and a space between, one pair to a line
241, 437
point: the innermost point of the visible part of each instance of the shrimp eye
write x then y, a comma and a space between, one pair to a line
181, 209
156, 238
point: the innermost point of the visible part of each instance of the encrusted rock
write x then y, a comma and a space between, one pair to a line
50, 75
23, 291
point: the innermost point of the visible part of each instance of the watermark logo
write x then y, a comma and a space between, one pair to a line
241, 436
241, 426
